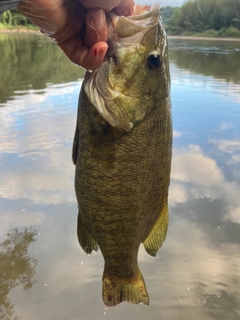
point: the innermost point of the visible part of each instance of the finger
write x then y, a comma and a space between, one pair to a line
96, 27
95, 56
106, 5
81, 55
125, 8
122, 7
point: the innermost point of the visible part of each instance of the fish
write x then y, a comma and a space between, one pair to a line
122, 153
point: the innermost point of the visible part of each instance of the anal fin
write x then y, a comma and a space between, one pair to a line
85, 239
158, 233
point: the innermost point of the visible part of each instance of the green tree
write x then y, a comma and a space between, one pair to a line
32, 61
202, 15
167, 13
6, 17
16, 267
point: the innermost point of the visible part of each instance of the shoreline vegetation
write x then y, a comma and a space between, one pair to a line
204, 18
18, 29
195, 19
183, 37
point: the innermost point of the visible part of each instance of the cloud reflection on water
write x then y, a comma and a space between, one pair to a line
191, 265
197, 176
204, 233
36, 145
196, 273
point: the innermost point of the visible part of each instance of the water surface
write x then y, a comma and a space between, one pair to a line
44, 274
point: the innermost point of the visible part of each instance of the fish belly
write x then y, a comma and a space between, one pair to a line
121, 184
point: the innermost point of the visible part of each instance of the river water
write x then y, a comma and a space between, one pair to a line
44, 274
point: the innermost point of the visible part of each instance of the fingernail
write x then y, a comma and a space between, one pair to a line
98, 19
103, 50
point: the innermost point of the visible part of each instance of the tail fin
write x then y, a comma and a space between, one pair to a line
115, 290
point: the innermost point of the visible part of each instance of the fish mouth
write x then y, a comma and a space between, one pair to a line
119, 106
130, 30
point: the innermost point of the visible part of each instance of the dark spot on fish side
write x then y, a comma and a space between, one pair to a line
102, 142
121, 296
100, 129
93, 130
106, 129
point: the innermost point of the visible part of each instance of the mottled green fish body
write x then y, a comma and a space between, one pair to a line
122, 152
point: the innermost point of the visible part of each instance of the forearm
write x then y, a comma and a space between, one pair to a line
8, 5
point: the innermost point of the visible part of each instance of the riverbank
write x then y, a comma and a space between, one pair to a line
37, 31
20, 30
203, 38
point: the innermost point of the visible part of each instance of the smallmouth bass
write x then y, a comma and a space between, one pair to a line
122, 151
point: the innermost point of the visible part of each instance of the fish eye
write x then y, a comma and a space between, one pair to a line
154, 60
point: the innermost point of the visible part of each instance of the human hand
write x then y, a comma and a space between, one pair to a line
77, 26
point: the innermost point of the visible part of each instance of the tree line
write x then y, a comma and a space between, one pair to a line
211, 17
11, 19
20, 72
206, 17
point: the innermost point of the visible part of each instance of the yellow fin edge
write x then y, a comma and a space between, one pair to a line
85, 239
115, 290
158, 234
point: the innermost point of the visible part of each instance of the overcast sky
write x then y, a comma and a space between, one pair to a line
165, 3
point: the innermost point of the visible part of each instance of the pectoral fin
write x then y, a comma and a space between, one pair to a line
85, 239
158, 234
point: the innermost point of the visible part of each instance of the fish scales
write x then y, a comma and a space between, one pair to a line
121, 182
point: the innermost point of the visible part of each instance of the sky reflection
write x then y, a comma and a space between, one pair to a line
36, 145
196, 273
